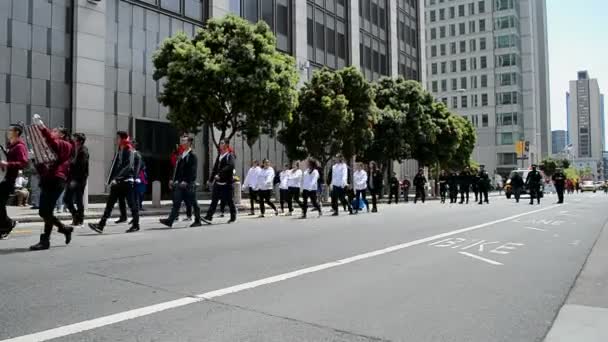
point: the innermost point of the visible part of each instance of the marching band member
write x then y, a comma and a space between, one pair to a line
360, 183
339, 182
294, 182
122, 182
265, 185
284, 187
16, 160
310, 184
222, 178
77, 179
251, 183
52, 182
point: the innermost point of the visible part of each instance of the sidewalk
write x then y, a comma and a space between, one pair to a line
584, 316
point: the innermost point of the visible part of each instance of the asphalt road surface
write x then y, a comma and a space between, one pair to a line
431, 272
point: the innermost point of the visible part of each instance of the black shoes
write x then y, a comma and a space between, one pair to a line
335, 214
166, 222
121, 220
196, 223
232, 220
42, 245
97, 227
67, 232
133, 229
207, 220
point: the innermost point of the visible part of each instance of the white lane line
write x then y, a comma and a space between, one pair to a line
489, 261
539, 229
152, 309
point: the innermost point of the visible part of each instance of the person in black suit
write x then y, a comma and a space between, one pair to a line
184, 184
77, 180
222, 178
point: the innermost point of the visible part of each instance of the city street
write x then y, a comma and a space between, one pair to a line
431, 272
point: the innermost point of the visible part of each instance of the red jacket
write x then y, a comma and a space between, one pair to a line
17, 158
63, 150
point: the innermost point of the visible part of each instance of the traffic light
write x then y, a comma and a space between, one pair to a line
527, 147
519, 148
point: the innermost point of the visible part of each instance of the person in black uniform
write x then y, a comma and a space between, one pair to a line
465, 185
517, 183
77, 180
453, 187
559, 180
393, 184
222, 178
483, 184
184, 184
443, 185
420, 183
406, 189
122, 182
473, 181
374, 184
534, 181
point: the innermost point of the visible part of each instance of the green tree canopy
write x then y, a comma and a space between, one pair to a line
336, 114
389, 138
230, 76
549, 166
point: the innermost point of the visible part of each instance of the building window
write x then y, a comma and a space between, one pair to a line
463, 46
442, 49
484, 120
444, 86
508, 98
483, 62
506, 22
433, 33
507, 60
482, 44
472, 26
507, 159
461, 11
507, 79
408, 44
463, 65
484, 100
327, 34
444, 67
473, 45
190, 9
454, 84
506, 41
442, 32
453, 48
462, 28
454, 101
473, 82
431, 15
463, 83
433, 51
481, 7
463, 101
472, 8
452, 30
435, 87
452, 12
434, 69
484, 81
475, 100
277, 14
454, 66
482, 25
473, 63
502, 5
442, 14
171, 5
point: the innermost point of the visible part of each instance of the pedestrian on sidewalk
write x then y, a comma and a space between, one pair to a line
184, 184
360, 184
222, 180
310, 185
406, 188
124, 169
177, 152
16, 160
77, 179
251, 183
265, 184
21, 191
52, 182
339, 183
420, 184
283, 187
294, 183
374, 184
393, 188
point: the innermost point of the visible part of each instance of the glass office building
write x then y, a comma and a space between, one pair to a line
87, 64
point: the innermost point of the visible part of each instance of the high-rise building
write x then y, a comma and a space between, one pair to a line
586, 122
87, 65
558, 140
487, 60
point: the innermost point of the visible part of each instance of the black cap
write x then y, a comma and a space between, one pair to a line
17, 127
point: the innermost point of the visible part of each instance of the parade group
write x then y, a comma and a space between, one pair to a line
68, 172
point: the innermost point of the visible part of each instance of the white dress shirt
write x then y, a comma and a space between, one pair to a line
360, 180
339, 175
251, 180
284, 176
266, 178
310, 180
295, 179
20, 182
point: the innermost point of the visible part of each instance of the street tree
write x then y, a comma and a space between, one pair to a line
389, 141
462, 157
229, 76
549, 166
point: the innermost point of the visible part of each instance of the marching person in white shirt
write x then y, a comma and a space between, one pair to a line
251, 183
360, 182
294, 183
309, 186
339, 182
265, 184
283, 187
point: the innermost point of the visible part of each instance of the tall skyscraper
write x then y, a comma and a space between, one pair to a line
558, 140
586, 123
487, 60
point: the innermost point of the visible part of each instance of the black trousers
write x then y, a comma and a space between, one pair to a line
560, 193
188, 196
483, 195
517, 193
73, 200
361, 195
464, 193
253, 197
50, 191
264, 196
443, 190
406, 194
6, 189
127, 191
283, 198
375, 194
221, 192
534, 193
293, 196
420, 193
339, 194
393, 192
453, 195
306, 194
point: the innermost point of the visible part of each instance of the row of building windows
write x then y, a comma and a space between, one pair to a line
276, 13
456, 48
191, 9
327, 29
443, 31
373, 45
474, 119
476, 101
464, 84
407, 34
475, 7
442, 67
